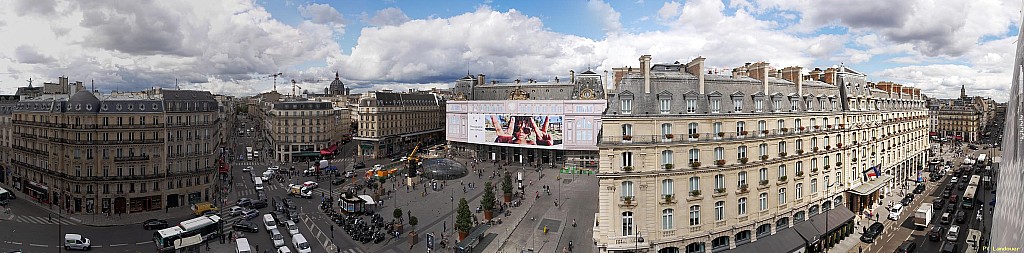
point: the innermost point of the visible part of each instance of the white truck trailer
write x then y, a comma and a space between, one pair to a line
923, 216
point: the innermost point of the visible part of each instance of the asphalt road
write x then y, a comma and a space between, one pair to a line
907, 231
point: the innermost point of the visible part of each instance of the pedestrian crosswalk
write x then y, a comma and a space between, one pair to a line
352, 250
255, 164
43, 220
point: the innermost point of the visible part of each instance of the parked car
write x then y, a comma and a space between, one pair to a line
154, 224
277, 237
246, 226
872, 232
936, 233
919, 189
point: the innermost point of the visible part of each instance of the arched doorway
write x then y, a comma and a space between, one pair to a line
742, 237
838, 200
669, 250
697, 247
826, 206
813, 210
120, 205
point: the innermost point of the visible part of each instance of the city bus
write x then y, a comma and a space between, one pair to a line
967, 202
975, 180
206, 227
5, 196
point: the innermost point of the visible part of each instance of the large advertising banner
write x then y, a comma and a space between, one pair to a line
516, 130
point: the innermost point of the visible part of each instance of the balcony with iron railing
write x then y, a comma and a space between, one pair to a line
626, 140
134, 158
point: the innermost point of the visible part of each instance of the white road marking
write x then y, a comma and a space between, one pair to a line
141, 243
15, 243
118, 245
38, 245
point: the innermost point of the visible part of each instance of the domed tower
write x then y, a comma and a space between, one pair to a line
587, 86
337, 87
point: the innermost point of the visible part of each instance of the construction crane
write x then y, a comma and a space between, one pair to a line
275, 79
413, 162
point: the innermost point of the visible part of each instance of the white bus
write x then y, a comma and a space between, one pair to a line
967, 202
5, 196
973, 239
975, 180
206, 227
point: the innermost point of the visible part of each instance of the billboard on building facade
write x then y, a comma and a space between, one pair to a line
533, 131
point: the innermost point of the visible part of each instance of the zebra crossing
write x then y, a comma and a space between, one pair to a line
352, 250
243, 191
42, 220
254, 164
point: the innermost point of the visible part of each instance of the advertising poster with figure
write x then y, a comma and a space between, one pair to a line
517, 130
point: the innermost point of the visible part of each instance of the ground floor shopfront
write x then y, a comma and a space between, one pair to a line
881, 183
396, 146
95, 201
583, 159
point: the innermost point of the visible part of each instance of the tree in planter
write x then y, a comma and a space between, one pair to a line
464, 219
506, 187
413, 220
397, 213
487, 203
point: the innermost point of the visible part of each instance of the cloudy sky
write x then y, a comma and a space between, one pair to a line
231, 46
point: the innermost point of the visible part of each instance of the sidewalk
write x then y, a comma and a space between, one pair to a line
99, 220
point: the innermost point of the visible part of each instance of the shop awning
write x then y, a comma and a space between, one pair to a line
933, 133
301, 154
809, 231
871, 186
368, 200
329, 150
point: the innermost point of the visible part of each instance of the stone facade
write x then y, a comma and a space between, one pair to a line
123, 152
696, 161
392, 124
962, 119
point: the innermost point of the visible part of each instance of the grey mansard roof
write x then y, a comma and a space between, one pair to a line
152, 101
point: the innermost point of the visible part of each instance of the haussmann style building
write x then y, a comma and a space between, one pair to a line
123, 152
756, 160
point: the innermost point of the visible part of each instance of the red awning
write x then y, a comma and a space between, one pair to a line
933, 133
329, 150
959, 137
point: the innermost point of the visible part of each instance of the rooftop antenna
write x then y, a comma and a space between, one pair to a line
93, 84
176, 86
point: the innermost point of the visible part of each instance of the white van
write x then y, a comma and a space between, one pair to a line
259, 183
76, 241
269, 223
242, 246
300, 244
894, 213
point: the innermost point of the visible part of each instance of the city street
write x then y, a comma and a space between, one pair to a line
904, 229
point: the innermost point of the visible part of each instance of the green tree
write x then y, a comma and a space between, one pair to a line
464, 220
488, 200
413, 220
397, 213
506, 184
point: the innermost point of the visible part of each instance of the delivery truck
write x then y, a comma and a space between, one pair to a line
923, 216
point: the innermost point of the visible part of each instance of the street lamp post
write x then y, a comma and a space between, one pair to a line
637, 241
828, 197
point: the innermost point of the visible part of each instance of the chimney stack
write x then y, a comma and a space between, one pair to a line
696, 67
815, 74
830, 76
645, 66
572, 76
480, 79
759, 71
792, 74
